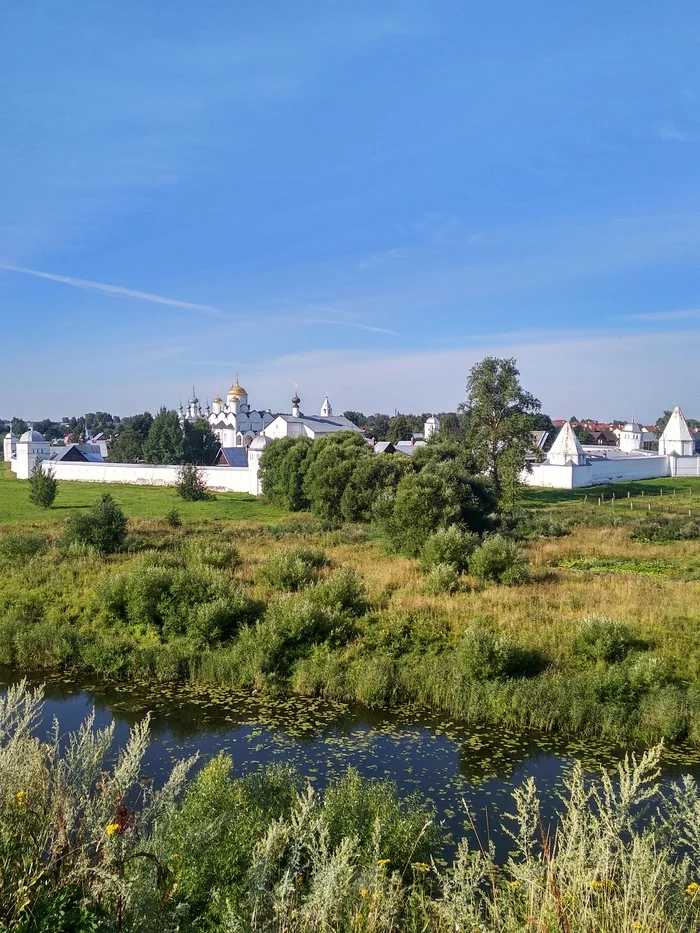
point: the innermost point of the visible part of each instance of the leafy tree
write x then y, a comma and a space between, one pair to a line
584, 436
282, 470
371, 476
50, 429
356, 417
499, 421
191, 484
422, 504
401, 428
18, 426
450, 423
472, 495
331, 461
165, 439
141, 423
199, 443
378, 426
43, 485
126, 447
103, 527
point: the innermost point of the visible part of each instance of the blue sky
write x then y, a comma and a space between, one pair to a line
365, 198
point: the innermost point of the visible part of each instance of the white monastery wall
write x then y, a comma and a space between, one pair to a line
231, 479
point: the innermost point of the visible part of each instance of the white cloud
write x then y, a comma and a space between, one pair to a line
117, 290
668, 131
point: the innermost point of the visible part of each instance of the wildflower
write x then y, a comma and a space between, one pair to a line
112, 829
636, 925
596, 884
513, 884
383, 861
176, 856
692, 888
364, 892
21, 799
420, 866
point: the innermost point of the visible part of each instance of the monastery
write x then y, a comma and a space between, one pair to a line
569, 464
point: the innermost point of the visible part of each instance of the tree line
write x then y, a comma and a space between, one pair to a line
453, 480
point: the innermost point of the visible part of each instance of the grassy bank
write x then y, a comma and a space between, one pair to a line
290, 605
87, 844
137, 502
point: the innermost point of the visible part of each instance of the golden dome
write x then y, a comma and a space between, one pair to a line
237, 390
218, 400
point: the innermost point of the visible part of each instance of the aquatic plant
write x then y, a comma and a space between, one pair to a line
87, 845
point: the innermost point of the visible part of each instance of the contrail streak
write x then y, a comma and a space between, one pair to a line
117, 290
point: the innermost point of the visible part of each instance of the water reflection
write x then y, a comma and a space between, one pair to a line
446, 762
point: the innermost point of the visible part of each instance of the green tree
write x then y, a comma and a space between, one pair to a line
356, 417
200, 444
331, 461
370, 477
43, 485
499, 430
191, 484
165, 439
126, 447
422, 504
661, 421
18, 426
401, 428
378, 425
141, 423
283, 467
103, 527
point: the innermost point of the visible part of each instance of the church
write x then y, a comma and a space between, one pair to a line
234, 422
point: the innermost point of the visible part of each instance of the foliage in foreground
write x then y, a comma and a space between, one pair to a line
83, 837
43, 485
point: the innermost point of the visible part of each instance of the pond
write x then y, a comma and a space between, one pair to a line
447, 763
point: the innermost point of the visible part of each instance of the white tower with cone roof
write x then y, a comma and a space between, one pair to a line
326, 410
676, 438
566, 448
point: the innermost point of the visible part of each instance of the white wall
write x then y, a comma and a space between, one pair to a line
612, 470
231, 479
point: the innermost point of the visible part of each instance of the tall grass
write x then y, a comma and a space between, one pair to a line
87, 845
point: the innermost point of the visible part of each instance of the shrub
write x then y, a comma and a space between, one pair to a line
442, 578
43, 485
667, 528
342, 592
500, 560
599, 638
190, 483
103, 527
451, 545
172, 519
219, 554
18, 546
292, 568
483, 654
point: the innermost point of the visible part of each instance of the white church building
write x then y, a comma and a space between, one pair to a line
570, 465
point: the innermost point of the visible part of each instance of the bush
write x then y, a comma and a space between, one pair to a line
451, 545
599, 638
220, 555
18, 546
191, 485
500, 560
292, 568
43, 485
666, 528
342, 592
442, 578
103, 527
483, 654
172, 519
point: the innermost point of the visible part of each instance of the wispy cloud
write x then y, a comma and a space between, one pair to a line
355, 324
116, 290
669, 131
377, 260
683, 314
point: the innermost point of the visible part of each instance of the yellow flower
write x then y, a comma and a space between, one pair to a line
420, 866
513, 884
692, 888
596, 884
364, 892
21, 798
176, 856
112, 829
383, 861
636, 925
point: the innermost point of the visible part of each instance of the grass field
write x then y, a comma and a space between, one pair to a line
137, 502
588, 560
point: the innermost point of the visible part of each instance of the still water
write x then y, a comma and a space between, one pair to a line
452, 765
